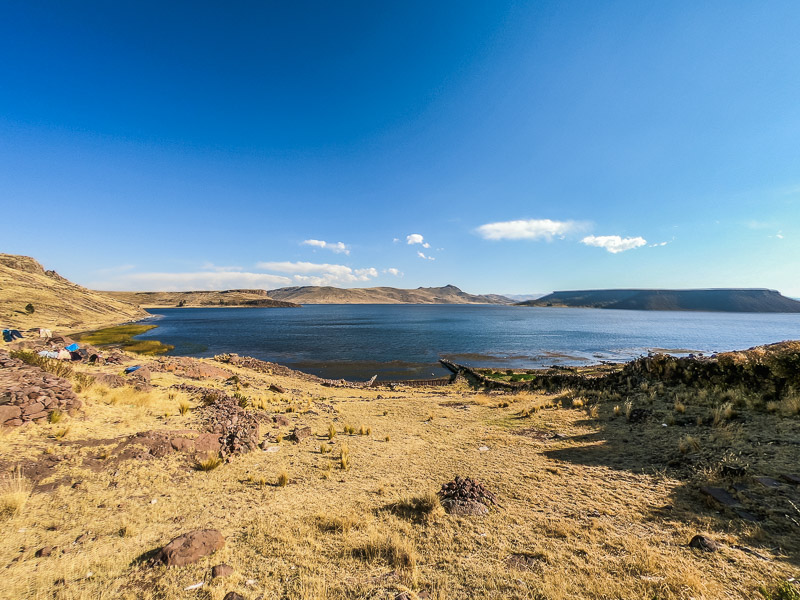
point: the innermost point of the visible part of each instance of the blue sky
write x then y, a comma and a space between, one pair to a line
501, 147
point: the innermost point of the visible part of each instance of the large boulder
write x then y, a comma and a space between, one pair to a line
191, 547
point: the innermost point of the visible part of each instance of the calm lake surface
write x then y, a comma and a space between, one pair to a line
406, 341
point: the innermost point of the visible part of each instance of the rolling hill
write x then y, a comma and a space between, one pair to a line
448, 294
58, 303
227, 298
715, 300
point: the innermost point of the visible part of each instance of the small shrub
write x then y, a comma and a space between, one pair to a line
184, 407
785, 590
211, 462
336, 524
628, 409
578, 403
721, 414
349, 430
331, 431
82, 381
55, 417
387, 438
679, 407
687, 443
279, 438
593, 411
14, 493
385, 413
29, 309
790, 405
61, 433
324, 448
283, 479
344, 458
617, 410
362, 430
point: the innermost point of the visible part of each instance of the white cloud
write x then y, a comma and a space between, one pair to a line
416, 238
421, 255
614, 243
208, 266
201, 280
393, 271
320, 274
336, 247
530, 229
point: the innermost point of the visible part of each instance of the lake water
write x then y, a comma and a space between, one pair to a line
406, 341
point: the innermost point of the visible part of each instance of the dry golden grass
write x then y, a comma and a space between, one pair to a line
209, 463
586, 506
15, 489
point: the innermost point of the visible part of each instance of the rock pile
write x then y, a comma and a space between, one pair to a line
187, 367
238, 429
190, 547
28, 393
465, 496
261, 366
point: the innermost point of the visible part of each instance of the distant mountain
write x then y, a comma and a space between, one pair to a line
57, 303
524, 297
716, 300
230, 298
448, 294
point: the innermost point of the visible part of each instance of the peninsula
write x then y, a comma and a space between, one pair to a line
713, 300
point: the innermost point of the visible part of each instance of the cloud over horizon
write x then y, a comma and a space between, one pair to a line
614, 243
192, 281
528, 229
320, 273
335, 247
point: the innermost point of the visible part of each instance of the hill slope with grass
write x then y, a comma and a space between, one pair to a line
448, 294
57, 302
228, 298
714, 300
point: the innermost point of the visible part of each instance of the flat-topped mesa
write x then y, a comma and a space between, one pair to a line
711, 300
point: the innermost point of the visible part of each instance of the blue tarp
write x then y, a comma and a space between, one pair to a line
72, 348
132, 369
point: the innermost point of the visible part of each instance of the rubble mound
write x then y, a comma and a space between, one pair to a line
262, 366
238, 429
28, 393
465, 496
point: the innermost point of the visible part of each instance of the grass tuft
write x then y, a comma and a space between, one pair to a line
15, 490
283, 479
209, 463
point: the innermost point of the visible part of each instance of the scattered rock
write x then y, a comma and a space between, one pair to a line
523, 561
44, 552
109, 380
704, 543
277, 389
280, 420
768, 482
300, 433
190, 547
719, 495
233, 596
221, 570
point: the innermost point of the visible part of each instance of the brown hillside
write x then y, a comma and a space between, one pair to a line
58, 303
448, 294
229, 298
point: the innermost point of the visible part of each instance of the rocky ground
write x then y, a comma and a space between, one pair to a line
235, 478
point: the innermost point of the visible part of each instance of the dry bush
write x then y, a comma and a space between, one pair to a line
679, 407
82, 382
790, 405
628, 409
15, 489
578, 402
349, 430
687, 443
336, 523
396, 550
209, 463
722, 414
283, 479
324, 448
55, 417
617, 410
593, 411
424, 506
344, 457
184, 407
331, 431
